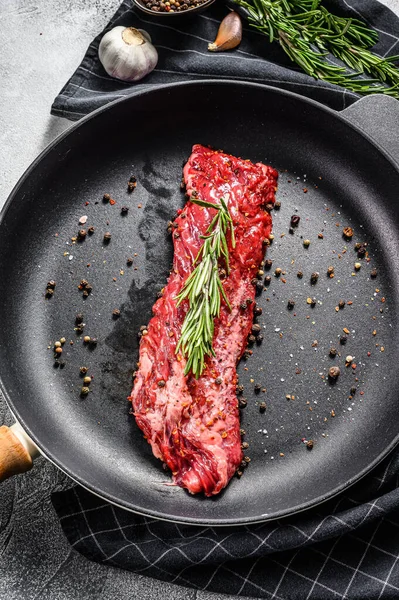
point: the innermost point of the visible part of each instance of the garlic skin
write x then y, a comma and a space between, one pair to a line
229, 34
127, 53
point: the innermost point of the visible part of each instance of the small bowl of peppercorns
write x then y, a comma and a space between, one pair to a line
172, 8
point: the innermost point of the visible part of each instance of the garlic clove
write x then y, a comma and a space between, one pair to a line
229, 34
127, 53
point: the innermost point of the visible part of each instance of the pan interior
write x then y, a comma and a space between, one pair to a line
329, 175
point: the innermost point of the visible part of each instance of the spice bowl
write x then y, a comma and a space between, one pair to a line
153, 7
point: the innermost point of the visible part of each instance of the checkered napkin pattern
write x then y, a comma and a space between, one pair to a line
347, 548
183, 56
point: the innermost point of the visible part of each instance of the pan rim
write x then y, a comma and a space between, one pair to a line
48, 454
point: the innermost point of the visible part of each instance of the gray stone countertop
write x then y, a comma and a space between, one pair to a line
43, 42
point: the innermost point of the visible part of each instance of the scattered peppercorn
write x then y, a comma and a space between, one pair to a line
124, 210
374, 273
49, 292
299, 274
245, 446
83, 370
290, 304
357, 266
256, 329
347, 232
341, 304
86, 339
84, 391
314, 277
295, 220
239, 389
51, 284
278, 272
218, 380
257, 388
116, 313
91, 230
251, 340
330, 271
242, 402
106, 197
57, 345
343, 339
277, 205
306, 243
82, 234
93, 342
334, 372
333, 351
260, 274
258, 310
267, 280
353, 390
309, 444
262, 406
161, 383
269, 207
87, 380
58, 350
268, 264
259, 339
259, 288
362, 251
107, 237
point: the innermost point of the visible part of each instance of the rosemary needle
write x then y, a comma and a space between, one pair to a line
308, 32
204, 290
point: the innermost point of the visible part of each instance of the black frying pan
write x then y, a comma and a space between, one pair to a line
149, 135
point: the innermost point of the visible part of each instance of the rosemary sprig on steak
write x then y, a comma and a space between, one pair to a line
204, 290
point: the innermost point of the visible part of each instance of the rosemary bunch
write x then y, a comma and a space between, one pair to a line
204, 289
308, 32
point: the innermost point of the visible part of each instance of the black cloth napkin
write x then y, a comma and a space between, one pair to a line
346, 548
183, 56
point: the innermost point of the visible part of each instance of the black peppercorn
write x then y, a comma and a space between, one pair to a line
79, 318
267, 280
333, 351
239, 389
254, 281
242, 402
299, 274
244, 446
290, 304
262, 406
258, 310
256, 329
341, 304
129, 261
295, 220
116, 313
277, 205
373, 273
259, 287
309, 444
161, 383
257, 388
51, 284
82, 234
106, 197
251, 340
218, 380
93, 342
107, 237
314, 277
268, 264
362, 251
91, 230
269, 207
291, 231
124, 210
259, 339
343, 339
243, 306
49, 292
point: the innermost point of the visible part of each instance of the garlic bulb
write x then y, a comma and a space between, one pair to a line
127, 53
229, 34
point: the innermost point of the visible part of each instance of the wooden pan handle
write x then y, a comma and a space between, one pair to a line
14, 455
